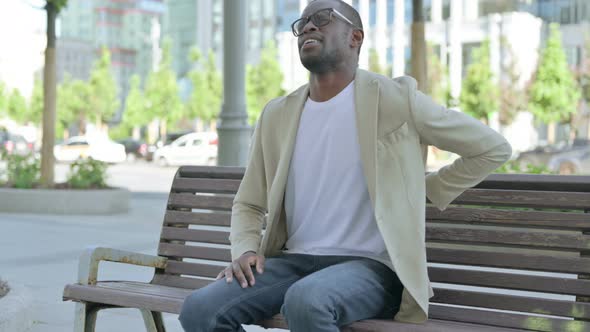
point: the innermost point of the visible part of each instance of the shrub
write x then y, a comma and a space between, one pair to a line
3, 288
87, 173
22, 171
514, 166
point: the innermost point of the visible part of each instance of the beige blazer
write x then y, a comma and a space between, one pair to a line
395, 123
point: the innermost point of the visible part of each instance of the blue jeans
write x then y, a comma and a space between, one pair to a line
314, 294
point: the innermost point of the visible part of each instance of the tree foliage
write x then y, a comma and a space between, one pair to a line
72, 103
135, 114
479, 93
439, 87
207, 90
161, 91
513, 97
263, 82
17, 106
103, 99
554, 94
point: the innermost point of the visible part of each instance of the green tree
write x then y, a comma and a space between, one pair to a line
513, 97
17, 107
374, 62
3, 98
161, 92
205, 99
52, 8
36, 102
439, 87
479, 93
103, 99
73, 107
263, 82
554, 94
135, 115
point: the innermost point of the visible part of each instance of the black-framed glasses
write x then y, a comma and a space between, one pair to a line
320, 18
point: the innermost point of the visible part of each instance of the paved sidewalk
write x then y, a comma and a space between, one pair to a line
41, 252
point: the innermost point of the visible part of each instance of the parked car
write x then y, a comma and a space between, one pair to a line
562, 158
14, 144
101, 149
135, 149
190, 149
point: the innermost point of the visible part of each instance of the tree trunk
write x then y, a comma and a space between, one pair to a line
49, 101
419, 67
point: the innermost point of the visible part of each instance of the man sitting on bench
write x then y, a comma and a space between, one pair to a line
339, 167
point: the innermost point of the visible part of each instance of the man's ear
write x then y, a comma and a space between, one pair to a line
357, 38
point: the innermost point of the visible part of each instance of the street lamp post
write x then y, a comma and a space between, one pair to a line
233, 129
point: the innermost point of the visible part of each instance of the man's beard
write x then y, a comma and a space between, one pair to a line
323, 63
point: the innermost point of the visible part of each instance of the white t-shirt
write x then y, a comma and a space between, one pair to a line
327, 202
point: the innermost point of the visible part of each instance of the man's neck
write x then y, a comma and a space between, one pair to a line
323, 87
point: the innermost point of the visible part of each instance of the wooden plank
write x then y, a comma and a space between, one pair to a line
195, 235
540, 219
388, 325
96, 294
503, 319
542, 182
214, 186
553, 285
193, 269
191, 201
509, 260
198, 252
197, 218
525, 198
178, 281
489, 235
212, 172
512, 303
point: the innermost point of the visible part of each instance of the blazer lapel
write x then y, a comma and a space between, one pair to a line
366, 107
293, 108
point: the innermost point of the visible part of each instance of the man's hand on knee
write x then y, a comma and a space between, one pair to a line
242, 270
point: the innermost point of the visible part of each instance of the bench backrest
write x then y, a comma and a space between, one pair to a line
512, 252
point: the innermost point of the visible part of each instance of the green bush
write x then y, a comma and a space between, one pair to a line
514, 167
22, 171
87, 173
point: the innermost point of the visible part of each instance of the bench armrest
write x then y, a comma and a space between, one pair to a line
88, 266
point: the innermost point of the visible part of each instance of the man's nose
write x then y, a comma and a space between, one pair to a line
309, 26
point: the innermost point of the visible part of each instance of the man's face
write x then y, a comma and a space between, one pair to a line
322, 49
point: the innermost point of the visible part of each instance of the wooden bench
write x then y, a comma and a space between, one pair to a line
511, 254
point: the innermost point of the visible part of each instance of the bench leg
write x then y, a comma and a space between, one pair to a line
85, 320
153, 321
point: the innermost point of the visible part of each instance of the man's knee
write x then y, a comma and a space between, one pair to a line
194, 315
303, 302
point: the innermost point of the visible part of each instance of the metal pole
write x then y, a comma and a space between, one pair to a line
233, 129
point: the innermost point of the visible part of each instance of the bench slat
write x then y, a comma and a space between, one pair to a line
514, 281
213, 186
193, 269
195, 235
216, 172
512, 303
524, 198
541, 182
199, 252
508, 237
197, 218
504, 319
540, 219
191, 201
178, 281
577, 265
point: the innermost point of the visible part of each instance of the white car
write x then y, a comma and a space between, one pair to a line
101, 149
189, 149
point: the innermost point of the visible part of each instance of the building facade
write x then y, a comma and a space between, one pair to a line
129, 29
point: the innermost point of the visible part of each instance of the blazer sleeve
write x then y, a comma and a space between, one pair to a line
481, 149
250, 204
